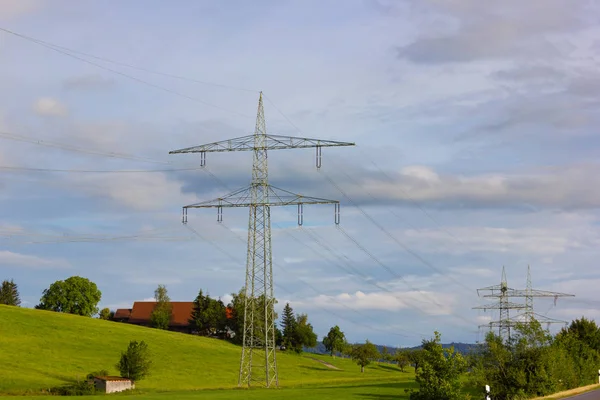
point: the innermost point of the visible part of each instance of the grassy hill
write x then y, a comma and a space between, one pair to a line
40, 349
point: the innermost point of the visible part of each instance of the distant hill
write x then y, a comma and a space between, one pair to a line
463, 348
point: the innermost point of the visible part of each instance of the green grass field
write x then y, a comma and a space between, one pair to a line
41, 349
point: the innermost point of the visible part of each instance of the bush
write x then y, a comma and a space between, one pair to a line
76, 389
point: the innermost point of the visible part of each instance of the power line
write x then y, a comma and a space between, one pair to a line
123, 64
59, 50
392, 237
230, 256
372, 220
78, 149
26, 169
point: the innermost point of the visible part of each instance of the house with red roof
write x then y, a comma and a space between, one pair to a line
181, 313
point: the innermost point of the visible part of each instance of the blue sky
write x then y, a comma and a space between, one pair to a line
477, 147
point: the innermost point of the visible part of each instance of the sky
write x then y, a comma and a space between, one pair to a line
476, 149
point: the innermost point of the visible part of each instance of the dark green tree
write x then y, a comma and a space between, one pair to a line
584, 330
439, 373
208, 315
75, 295
161, 315
9, 294
335, 340
106, 314
288, 327
363, 354
135, 362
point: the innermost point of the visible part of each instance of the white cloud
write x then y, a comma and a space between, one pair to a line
50, 107
574, 186
502, 240
427, 302
138, 191
477, 30
10, 258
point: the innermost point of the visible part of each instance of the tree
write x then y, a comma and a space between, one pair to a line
439, 374
135, 362
106, 314
414, 357
236, 322
521, 366
401, 358
335, 340
9, 294
363, 354
208, 316
288, 326
385, 354
584, 330
75, 295
161, 315
305, 336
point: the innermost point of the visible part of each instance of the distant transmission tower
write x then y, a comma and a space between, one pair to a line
529, 293
259, 197
503, 305
503, 293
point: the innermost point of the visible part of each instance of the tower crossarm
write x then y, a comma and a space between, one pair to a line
271, 142
497, 306
535, 293
268, 142
542, 319
276, 197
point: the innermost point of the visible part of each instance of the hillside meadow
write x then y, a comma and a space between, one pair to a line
41, 349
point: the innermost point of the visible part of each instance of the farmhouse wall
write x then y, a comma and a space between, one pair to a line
113, 384
118, 386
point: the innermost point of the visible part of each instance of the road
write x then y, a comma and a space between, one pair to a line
595, 395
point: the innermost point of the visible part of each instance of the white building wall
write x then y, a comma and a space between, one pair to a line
118, 386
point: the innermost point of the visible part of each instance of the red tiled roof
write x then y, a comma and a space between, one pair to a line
180, 314
122, 313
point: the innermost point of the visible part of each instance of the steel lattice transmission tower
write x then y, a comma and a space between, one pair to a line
503, 293
258, 361
504, 306
529, 294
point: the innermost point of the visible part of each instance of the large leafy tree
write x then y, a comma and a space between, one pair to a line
335, 340
161, 315
584, 330
9, 293
305, 336
75, 295
363, 354
439, 374
135, 362
236, 322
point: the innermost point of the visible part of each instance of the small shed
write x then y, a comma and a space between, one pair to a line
112, 384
